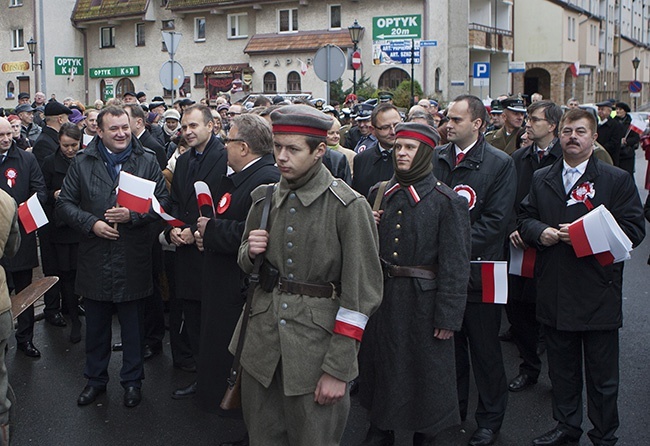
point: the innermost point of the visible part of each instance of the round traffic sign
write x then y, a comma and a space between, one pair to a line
329, 63
356, 60
169, 81
635, 86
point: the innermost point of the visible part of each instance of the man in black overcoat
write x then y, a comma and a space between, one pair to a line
579, 300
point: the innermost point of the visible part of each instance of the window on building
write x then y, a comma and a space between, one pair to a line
237, 25
14, 3
199, 80
11, 90
288, 20
199, 29
335, 16
270, 83
107, 37
293, 83
168, 24
571, 28
139, 34
17, 39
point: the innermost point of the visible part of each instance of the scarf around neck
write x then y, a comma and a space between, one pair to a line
114, 161
420, 166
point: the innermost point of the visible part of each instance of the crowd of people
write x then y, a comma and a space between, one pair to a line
369, 277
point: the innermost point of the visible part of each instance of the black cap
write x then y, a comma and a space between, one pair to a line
277, 100
24, 108
623, 106
157, 99
56, 109
495, 106
129, 93
23, 95
363, 111
187, 102
514, 103
608, 103
140, 94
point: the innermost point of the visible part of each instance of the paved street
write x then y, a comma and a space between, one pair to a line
47, 389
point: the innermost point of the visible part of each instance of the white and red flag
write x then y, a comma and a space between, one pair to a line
494, 280
303, 67
134, 193
522, 261
203, 196
575, 69
157, 208
638, 124
31, 214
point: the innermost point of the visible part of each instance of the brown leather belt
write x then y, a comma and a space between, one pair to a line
329, 290
419, 272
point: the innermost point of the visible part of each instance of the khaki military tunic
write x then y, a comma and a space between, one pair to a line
502, 141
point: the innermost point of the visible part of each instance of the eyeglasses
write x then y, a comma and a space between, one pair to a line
535, 119
388, 126
228, 140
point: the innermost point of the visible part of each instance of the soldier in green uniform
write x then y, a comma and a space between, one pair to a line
305, 328
507, 138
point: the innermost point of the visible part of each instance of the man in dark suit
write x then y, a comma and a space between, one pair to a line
542, 125
485, 175
610, 132
375, 164
250, 155
21, 178
205, 161
579, 300
137, 120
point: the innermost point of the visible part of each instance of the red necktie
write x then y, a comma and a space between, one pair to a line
541, 155
459, 157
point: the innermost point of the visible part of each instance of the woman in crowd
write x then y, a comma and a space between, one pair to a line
64, 238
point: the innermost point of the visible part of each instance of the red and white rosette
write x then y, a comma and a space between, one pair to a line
582, 194
11, 174
467, 193
224, 203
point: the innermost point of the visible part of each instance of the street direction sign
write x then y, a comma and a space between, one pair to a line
397, 27
428, 43
68, 65
169, 81
356, 60
635, 95
481, 70
329, 63
516, 67
635, 87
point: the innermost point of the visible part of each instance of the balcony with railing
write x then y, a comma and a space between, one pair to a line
490, 38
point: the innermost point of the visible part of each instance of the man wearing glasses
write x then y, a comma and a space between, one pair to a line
542, 124
375, 164
508, 137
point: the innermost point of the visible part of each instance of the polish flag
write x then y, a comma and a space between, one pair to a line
157, 208
522, 262
638, 125
303, 67
575, 68
350, 323
31, 215
587, 235
203, 196
134, 193
494, 279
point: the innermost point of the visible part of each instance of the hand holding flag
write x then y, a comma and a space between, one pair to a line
134, 193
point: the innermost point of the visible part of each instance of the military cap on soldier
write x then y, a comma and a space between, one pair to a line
364, 111
515, 104
496, 107
318, 103
301, 120
420, 132
56, 109
385, 96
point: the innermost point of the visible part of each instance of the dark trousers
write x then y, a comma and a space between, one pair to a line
525, 332
479, 339
52, 298
25, 328
154, 313
192, 323
565, 351
178, 339
70, 298
99, 321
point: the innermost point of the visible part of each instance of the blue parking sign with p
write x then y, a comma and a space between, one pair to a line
481, 70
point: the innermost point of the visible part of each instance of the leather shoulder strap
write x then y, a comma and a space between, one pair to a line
380, 195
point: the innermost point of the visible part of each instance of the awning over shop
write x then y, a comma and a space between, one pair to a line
302, 41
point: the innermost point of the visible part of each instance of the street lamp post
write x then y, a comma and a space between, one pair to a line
31, 46
356, 31
635, 63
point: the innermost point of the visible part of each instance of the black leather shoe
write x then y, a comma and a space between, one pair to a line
132, 396
191, 368
117, 347
89, 394
521, 382
483, 437
149, 351
184, 392
56, 319
378, 437
555, 437
242, 442
28, 349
